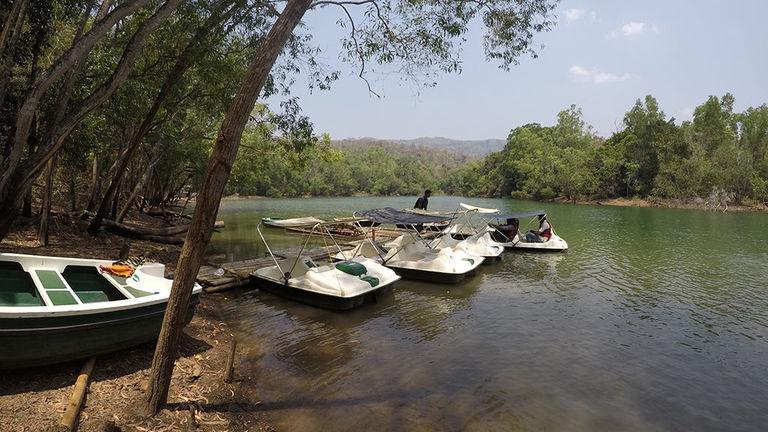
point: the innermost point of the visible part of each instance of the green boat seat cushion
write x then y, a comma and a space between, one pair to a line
92, 296
50, 279
371, 280
16, 286
87, 283
61, 298
352, 268
19, 299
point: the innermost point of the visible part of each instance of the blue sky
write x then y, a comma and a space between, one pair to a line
601, 56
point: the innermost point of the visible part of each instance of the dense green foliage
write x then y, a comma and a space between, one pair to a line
338, 169
719, 155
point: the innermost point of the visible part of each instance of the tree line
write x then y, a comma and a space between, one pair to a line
719, 155
341, 168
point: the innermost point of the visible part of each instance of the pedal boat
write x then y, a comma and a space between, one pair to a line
339, 286
410, 255
59, 309
554, 244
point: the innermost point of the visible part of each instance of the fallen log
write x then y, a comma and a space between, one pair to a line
146, 231
227, 286
76, 400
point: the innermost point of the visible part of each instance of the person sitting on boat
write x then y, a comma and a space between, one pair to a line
543, 234
509, 230
423, 201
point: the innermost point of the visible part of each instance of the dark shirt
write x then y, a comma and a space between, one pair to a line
421, 203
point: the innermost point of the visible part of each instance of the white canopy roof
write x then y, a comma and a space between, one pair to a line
295, 222
478, 209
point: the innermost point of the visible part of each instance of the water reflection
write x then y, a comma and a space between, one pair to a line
653, 320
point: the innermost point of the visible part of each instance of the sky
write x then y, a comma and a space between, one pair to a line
601, 56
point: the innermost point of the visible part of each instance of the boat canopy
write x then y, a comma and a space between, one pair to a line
389, 215
478, 209
521, 215
295, 222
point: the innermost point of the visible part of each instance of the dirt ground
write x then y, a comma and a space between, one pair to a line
35, 399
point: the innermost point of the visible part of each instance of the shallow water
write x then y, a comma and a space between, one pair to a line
655, 319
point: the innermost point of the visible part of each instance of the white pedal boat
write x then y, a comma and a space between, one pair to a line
518, 240
410, 255
340, 286
554, 244
479, 244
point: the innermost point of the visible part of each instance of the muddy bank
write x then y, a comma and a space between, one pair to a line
35, 399
671, 203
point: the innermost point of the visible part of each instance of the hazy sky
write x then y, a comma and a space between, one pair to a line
602, 56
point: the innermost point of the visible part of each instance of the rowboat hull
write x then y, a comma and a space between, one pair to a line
431, 276
44, 340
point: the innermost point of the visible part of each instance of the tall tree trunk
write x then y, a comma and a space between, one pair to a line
45, 209
72, 193
116, 200
183, 62
94, 187
26, 208
217, 173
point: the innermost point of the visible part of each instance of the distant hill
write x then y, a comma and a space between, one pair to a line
468, 147
472, 148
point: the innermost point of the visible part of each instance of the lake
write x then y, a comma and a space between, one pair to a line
654, 320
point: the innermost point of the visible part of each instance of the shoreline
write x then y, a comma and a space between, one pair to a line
671, 203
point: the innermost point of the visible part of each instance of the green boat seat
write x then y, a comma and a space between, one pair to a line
87, 282
371, 280
352, 268
61, 298
19, 299
16, 286
471, 261
50, 279
92, 296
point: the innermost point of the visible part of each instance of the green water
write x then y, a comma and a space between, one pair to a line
654, 320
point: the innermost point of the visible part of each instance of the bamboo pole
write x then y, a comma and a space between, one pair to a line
78, 395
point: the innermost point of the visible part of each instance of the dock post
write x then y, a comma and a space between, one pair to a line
229, 374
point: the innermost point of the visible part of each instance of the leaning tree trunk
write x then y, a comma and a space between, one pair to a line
137, 189
217, 173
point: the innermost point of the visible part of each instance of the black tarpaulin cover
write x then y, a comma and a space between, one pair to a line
389, 215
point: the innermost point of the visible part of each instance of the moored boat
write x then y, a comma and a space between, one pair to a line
291, 223
340, 286
58, 309
412, 256
463, 234
510, 236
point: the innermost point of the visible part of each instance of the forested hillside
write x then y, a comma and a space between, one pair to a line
346, 167
468, 147
719, 155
